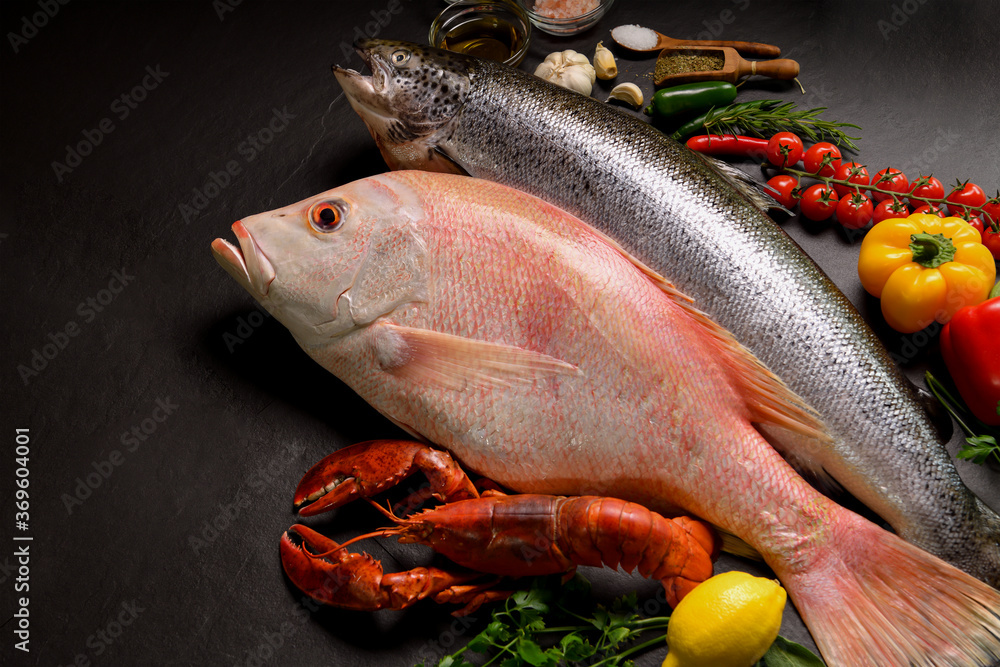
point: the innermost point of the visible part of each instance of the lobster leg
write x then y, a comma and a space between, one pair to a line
367, 468
329, 573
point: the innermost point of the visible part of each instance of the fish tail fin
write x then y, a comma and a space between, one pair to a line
873, 599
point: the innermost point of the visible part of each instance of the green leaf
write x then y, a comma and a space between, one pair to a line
481, 643
497, 632
575, 647
619, 619
628, 602
617, 635
532, 653
535, 598
532, 622
979, 448
786, 653
511, 662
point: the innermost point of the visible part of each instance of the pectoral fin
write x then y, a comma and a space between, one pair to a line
431, 358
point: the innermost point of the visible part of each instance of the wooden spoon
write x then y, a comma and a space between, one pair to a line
746, 48
733, 69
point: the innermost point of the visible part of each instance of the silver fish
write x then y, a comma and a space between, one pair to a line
441, 111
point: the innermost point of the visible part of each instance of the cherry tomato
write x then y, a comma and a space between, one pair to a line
822, 155
991, 240
976, 223
890, 208
932, 209
782, 188
854, 211
853, 173
819, 202
784, 149
927, 187
965, 195
890, 179
991, 209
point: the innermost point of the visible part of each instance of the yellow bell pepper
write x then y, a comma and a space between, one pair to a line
925, 268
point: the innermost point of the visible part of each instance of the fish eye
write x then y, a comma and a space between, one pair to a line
327, 216
399, 57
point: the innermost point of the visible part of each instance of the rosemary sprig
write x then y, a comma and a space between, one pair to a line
765, 118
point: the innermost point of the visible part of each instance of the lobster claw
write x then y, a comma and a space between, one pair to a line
324, 571
368, 468
329, 573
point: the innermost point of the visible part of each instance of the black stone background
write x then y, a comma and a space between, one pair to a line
250, 418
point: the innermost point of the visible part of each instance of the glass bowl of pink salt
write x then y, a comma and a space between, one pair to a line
565, 17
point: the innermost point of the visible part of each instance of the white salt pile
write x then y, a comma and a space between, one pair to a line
634, 37
564, 9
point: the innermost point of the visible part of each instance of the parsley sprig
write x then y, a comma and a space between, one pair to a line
554, 624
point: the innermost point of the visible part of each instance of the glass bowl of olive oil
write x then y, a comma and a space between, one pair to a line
493, 29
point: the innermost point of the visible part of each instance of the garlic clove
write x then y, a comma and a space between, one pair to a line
604, 63
627, 92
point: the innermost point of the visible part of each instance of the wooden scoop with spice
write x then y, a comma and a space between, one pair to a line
715, 63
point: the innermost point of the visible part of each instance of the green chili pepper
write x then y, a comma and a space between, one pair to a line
689, 98
697, 124
694, 125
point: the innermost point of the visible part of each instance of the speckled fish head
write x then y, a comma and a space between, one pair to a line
333, 262
413, 93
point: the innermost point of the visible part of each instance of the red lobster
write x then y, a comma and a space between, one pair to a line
492, 533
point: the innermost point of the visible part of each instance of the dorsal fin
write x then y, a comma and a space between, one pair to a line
768, 398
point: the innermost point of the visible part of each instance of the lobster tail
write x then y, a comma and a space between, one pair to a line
679, 552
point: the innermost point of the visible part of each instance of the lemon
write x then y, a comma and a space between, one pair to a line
729, 620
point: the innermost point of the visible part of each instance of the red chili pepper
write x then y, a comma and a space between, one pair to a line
728, 144
971, 350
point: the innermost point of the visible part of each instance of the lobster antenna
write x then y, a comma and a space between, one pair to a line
387, 511
384, 532
381, 532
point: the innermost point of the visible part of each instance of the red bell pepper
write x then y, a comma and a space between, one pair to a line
970, 345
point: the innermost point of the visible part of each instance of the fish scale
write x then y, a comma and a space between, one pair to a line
677, 213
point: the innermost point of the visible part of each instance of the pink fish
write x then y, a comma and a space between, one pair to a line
544, 357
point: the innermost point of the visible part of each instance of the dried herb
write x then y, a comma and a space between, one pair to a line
678, 63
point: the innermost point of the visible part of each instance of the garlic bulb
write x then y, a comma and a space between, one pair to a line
568, 69
604, 63
627, 92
